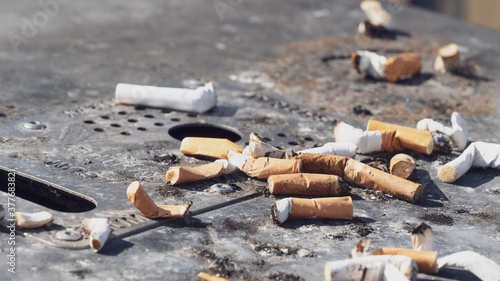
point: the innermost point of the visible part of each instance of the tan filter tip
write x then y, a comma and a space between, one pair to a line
207, 277
425, 260
402, 165
447, 173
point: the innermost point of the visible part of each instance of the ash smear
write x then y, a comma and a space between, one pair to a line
274, 249
166, 158
300, 71
339, 236
249, 227
438, 219
170, 190
222, 266
409, 226
281, 276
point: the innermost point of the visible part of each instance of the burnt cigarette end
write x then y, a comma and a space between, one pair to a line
423, 227
274, 214
355, 57
442, 142
344, 188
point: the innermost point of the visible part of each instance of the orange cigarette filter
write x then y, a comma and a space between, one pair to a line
329, 207
211, 147
372, 178
263, 167
425, 260
207, 277
405, 137
141, 200
322, 164
307, 184
178, 175
388, 140
402, 165
403, 65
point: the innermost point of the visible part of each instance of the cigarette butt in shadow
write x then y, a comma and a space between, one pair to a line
329, 207
307, 184
425, 260
402, 165
372, 178
141, 200
211, 147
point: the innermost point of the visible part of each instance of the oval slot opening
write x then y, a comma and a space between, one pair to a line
180, 132
45, 193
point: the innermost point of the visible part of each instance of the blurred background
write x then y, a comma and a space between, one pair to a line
482, 12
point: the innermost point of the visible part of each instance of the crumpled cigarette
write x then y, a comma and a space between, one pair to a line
481, 266
207, 277
199, 100
179, 175
421, 238
258, 148
448, 59
375, 13
333, 148
365, 141
477, 154
99, 230
372, 268
211, 147
141, 200
457, 132
400, 66
425, 260
33, 220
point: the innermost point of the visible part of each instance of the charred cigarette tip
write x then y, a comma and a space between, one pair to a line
280, 210
420, 229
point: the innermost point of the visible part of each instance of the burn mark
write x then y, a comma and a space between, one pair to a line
438, 219
281, 276
421, 228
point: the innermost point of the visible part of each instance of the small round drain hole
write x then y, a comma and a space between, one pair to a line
122, 112
99, 130
149, 116
139, 107
175, 119
166, 111
88, 122
132, 120
180, 132
116, 125
281, 135
192, 115
308, 139
125, 134
106, 117
159, 124
293, 143
142, 129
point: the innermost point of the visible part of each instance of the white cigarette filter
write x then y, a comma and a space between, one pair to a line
448, 58
477, 154
237, 159
372, 268
258, 148
365, 141
99, 230
483, 267
33, 220
199, 100
421, 238
333, 148
457, 132
369, 63
376, 13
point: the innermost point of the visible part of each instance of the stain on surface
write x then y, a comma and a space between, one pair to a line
438, 219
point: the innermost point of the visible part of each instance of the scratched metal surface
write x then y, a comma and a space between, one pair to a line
64, 73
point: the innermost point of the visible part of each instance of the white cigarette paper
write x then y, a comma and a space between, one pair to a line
372, 268
258, 148
333, 148
230, 168
237, 159
99, 229
478, 154
33, 220
198, 100
421, 238
372, 64
457, 132
365, 141
362, 249
483, 267
375, 13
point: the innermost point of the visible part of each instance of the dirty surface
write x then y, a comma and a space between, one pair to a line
281, 71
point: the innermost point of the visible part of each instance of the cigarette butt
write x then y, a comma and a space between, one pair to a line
333, 148
481, 266
99, 229
211, 147
258, 148
402, 165
402, 66
207, 277
369, 63
329, 207
307, 184
33, 220
198, 100
372, 178
362, 248
141, 200
388, 140
376, 13
323, 164
425, 260
178, 175
421, 238
405, 137
264, 167
448, 58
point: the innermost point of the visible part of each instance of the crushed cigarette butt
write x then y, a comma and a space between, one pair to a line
207, 277
481, 266
322, 164
333, 148
141, 200
258, 148
421, 238
33, 220
425, 260
477, 154
400, 66
179, 175
238, 159
307, 184
211, 147
369, 63
402, 165
457, 133
365, 141
448, 59
328, 207
264, 167
375, 13
99, 230
199, 100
